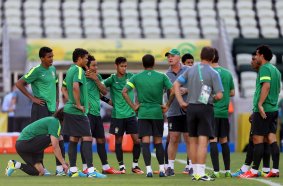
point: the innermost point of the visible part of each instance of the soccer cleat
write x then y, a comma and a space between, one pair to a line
162, 174
156, 172
215, 175
272, 175
262, 173
170, 172
123, 170
149, 175
206, 178
46, 172
10, 167
111, 170
137, 170
60, 173
248, 174
96, 174
195, 177
85, 171
76, 174
188, 171
237, 173
228, 175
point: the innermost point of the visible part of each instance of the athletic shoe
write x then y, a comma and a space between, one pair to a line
46, 172
188, 171
162, 174
206, 178
248, 174
123, 170
111, 170
228, 175
170, 172
76, 174
149, 175
85, 171
137, 170
95, 174
155, 172
60, 173
10, 167
237, 173
215, 175
195, 177
262, 173
272, 175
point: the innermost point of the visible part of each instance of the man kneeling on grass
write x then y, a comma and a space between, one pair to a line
32, 141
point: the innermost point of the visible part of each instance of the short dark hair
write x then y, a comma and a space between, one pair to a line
120, 60
59, 114
148, 61
90, 59
79, 52
43, 51
253, 53
265, 51
216, 56
187, 56
207, 53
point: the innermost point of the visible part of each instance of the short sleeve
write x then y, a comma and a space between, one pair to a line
108, 82
217, 83
232, 86
183, 78
78, 75
264, 75
131, 83
31, 76
54, 128
167, 82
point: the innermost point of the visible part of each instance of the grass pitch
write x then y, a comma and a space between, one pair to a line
21, 179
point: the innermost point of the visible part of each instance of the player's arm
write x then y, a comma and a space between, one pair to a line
170, 100
76, 93
127, 98
263, 95
57, 152
21, 85
57, 94
232, 93
178, 95
94, 76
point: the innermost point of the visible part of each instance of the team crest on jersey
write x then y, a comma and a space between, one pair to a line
116, 130
149, 73
170, 126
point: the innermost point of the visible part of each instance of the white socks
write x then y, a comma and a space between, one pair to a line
74, 169
59, 168
171, 163
148, 169
84, 167
161, 168
245, 168
18, 165
105, 167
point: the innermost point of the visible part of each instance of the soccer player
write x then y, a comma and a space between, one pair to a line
123, 116
204, 86
265, 112
188, 59
222, 126
149, 85
43, 81
76, 123
176, 116
95, 89
32, 141
249, 155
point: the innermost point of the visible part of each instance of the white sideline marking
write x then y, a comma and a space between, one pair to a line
270, 183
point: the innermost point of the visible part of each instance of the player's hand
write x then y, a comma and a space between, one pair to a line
81, 108
65, 167
184, 105
38, 101
164, 108
251, 118
183, 91
136, 107
262, 112
91, 74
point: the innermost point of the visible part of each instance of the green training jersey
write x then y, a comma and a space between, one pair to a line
43, 84
76, 74
268, 73
45, 126
150, 86
121, 109
93, 96
221, 106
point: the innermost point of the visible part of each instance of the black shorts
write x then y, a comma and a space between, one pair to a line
96, 126
76, 125
120, 126
262, 126
150, 127
39, 111
222, 127
32, 151
177, 123
200, 120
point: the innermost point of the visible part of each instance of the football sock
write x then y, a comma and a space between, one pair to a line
214, 156
146, 154
72, 153
250, 152
87, 151
275, 155
30, 170
102, 153
82, 155
226, 155
266, 155
166, 152
258, 153
136, 152
160, 153
119, 153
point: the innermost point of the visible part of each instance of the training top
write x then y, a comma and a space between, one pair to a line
93, 96
44, 126
150, 86
268, 73
76, 74
43, 84
191, 80
121, 109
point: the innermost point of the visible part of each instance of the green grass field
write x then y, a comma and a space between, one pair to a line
21, 179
